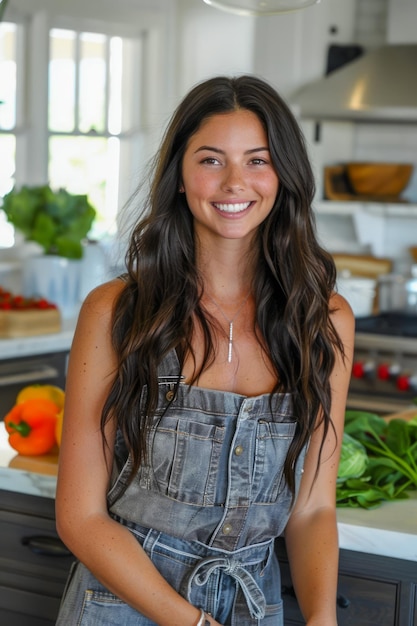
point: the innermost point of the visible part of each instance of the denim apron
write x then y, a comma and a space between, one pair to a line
206, 508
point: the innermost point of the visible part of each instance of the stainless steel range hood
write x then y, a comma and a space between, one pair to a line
380, 86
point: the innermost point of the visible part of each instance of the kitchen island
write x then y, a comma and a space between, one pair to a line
378, 562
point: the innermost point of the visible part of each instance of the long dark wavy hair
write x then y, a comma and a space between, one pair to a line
294, 276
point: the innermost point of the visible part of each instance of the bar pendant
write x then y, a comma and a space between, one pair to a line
229, 355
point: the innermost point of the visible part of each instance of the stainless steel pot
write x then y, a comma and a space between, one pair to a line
397, 292
411, 291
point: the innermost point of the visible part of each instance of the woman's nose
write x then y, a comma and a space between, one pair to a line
233, 179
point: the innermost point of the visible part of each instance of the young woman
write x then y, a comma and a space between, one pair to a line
206, 388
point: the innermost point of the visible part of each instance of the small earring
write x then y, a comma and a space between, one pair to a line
181, 189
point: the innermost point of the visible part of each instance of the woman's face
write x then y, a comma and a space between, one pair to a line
228, 176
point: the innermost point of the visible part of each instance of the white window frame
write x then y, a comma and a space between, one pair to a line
156, 93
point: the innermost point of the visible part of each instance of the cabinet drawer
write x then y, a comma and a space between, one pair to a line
366, 602
34, 563
23, 608
30, 544
361, 601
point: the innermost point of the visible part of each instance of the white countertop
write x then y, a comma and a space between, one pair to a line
390, 530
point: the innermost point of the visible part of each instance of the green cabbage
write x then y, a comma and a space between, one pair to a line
353, 459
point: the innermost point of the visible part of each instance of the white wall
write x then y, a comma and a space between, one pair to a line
291, 49
211, 42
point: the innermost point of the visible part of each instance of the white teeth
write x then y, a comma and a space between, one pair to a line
232, 208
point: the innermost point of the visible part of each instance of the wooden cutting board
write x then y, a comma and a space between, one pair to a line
42, 464
362, 265
404, 415
27, 323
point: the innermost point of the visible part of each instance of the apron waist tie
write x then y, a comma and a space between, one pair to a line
254, 597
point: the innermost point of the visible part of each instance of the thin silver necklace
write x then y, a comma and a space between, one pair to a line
230, 322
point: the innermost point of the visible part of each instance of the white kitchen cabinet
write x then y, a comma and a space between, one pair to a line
387, 230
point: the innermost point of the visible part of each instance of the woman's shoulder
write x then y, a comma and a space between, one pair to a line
341, 314
106, 293
100, 302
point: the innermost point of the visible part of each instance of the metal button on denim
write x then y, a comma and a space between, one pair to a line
170, 395
227, 529
238, 450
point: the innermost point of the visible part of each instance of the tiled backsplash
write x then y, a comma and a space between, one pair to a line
371, 22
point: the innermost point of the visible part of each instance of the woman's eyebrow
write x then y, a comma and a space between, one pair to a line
219, 151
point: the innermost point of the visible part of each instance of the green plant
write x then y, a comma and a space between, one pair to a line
57, 220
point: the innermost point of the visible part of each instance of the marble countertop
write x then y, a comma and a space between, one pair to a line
31, 475
390, 530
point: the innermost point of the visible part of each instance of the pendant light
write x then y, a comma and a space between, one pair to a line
260, 7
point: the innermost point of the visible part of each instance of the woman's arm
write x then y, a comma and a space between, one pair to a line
106, 548
311, 533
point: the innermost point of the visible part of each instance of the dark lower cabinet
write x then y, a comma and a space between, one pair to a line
372, 590
18, 372
33, 561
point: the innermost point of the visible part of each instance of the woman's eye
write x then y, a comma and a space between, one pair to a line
258, 161
210, 160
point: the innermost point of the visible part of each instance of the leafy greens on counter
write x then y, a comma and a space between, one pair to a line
378, 460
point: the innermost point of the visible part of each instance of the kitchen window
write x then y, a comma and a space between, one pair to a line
75, 120
87, 120
8, 109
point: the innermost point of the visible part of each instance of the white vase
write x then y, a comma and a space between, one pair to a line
55, 278
95, 267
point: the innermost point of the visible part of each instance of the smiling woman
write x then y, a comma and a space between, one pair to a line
214, 378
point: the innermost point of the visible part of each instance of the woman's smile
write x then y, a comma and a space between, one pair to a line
232, 208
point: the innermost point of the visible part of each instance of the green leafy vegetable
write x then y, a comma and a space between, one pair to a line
390, 467
353, 459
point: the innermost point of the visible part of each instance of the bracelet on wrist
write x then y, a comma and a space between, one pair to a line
203, 621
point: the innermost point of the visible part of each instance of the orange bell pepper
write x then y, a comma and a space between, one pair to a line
31, 426
59, 425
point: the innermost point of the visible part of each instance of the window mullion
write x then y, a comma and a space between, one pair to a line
77, 60
36, 102
107, 88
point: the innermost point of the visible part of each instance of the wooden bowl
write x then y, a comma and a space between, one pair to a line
379, 179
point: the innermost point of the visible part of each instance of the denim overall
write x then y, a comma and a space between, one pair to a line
206, 509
